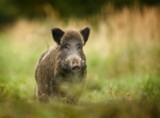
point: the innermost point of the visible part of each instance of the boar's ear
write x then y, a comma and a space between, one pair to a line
57, 34
85, 33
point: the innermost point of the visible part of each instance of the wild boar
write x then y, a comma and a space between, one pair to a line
61, 70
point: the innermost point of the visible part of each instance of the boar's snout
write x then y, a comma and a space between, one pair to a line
74, 62
75, 65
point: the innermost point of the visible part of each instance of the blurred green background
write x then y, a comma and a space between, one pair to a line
123, 56
10, 10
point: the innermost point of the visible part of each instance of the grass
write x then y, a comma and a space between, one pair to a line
123, 68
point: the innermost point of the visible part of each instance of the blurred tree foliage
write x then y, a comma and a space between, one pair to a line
12, 9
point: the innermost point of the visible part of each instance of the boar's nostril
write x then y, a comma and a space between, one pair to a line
75, 67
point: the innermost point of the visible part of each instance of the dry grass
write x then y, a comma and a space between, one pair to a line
123, 55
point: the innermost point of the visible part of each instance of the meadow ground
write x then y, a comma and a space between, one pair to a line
123, 57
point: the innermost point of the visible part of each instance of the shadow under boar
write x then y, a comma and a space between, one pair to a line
61, 70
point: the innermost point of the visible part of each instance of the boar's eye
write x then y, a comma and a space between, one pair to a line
79, 46
66, 46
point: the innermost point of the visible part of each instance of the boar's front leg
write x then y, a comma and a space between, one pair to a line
43, 85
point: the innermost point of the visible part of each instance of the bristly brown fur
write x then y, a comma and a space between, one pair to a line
51, 69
